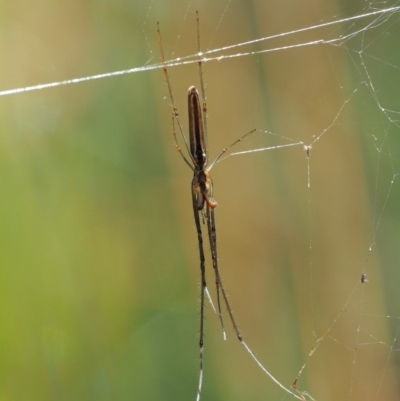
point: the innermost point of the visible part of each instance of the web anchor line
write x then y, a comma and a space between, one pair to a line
193, 58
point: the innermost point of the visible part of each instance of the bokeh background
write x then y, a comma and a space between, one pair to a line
99, 270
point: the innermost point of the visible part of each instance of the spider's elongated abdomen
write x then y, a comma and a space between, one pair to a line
196, 132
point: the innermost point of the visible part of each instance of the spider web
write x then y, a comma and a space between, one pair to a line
96, 207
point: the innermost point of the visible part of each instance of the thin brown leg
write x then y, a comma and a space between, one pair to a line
212, 234
203, 288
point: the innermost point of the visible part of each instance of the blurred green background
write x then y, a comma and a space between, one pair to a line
99, 288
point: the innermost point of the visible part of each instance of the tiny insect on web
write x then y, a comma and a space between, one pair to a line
203, 202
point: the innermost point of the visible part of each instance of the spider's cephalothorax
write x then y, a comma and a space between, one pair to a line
201, 185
